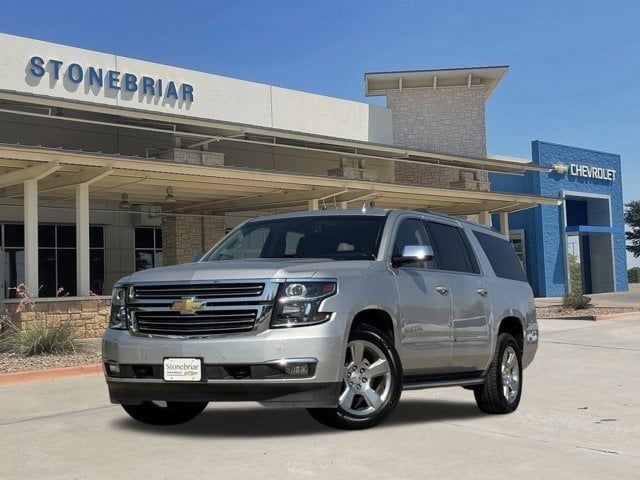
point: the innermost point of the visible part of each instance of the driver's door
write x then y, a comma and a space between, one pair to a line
425, 303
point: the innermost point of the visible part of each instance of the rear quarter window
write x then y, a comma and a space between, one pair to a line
502, 256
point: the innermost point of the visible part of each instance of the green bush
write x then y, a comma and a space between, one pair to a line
38, 338
577, 301
634, 275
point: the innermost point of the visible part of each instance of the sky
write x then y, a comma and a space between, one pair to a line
574, 73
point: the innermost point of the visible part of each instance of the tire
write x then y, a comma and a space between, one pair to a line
165, 413
501, 393
374, 392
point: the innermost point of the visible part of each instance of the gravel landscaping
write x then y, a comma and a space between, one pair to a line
560, 312
88, 354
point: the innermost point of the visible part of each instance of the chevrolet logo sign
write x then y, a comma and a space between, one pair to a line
187, 305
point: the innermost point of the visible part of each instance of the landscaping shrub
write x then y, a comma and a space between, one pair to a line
577, 301
38, 338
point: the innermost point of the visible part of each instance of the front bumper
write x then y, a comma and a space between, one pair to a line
313, 394
225, 355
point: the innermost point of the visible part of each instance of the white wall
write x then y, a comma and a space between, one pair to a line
215, 97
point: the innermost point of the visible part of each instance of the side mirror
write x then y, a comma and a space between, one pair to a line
413, 254
197, 257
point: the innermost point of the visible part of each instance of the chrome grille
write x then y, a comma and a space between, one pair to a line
200, 323
225, 307
209, 290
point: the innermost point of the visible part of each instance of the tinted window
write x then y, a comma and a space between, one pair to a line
144, 237
13, 236
502, 257
338, 237
96, 237
46, 238
411, 232
66, 236
451, 249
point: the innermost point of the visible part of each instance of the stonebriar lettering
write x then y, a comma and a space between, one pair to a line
111, 79
592, 172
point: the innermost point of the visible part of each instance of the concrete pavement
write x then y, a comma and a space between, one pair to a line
579, 418
630, 299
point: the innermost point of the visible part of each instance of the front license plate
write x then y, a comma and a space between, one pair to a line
182, 369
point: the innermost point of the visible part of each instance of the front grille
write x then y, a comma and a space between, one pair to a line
200, 323
209, 290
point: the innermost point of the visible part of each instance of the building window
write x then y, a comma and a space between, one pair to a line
56, 259
516, 237
148, 245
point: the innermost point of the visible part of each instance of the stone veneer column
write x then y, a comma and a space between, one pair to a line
448, 120
185, 236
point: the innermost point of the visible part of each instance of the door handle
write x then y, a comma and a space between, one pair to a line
442, 290
482, 292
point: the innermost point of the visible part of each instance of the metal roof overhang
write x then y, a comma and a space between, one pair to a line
218, 190
203, 131
379, 83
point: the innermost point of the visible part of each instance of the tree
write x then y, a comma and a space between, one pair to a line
575, 275
632, 219
634, 274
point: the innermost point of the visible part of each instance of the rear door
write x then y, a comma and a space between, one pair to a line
458, 267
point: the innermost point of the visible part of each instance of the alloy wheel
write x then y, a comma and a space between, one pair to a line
510, 370
367, 379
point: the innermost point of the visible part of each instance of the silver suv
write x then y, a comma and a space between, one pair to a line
335, 311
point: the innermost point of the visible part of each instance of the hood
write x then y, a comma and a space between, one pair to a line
260, 268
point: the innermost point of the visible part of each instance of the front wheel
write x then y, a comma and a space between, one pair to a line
372, 383
502, 389
165, 413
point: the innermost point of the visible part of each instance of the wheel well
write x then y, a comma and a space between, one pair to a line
513, 326
375, 318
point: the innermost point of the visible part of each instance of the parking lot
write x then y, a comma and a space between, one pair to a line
579, 418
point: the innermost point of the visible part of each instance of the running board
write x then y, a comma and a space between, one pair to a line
418, 382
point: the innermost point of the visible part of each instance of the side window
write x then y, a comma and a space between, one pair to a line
452, 252
411, 232
502, 257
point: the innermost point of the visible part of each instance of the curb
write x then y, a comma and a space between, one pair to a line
598, 318
49, 374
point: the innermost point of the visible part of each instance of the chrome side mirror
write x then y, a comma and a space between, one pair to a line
413, 254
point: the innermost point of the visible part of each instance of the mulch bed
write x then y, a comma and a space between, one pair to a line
13, 362
561, 312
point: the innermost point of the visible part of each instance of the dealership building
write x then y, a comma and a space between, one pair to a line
110, 164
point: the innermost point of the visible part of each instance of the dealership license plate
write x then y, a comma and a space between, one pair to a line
182, 369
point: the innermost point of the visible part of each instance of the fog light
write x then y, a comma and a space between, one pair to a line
297, 370
113, 368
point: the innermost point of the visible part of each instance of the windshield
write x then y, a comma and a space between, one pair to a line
339, 237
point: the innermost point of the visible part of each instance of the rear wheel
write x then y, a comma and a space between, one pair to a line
372, 382
165, 413
502, 389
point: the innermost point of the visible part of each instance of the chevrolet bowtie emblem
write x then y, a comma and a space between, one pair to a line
186, 305
560, 168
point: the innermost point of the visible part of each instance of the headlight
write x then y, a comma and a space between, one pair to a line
298, 303
118, 315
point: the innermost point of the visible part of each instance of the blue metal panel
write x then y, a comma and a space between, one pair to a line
544, 235
595, 229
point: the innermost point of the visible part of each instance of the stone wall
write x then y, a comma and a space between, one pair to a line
185, 236
449, 120
89, 316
